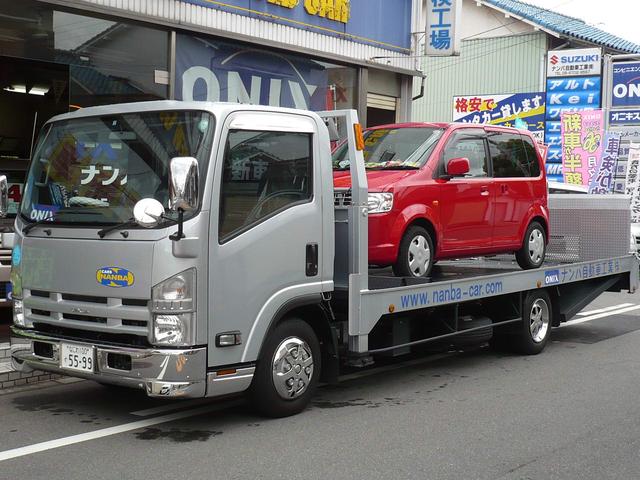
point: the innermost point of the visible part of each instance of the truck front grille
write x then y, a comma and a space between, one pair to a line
84, 317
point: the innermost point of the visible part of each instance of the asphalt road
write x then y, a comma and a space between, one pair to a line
571, 412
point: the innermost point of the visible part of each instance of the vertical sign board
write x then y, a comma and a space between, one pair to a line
633, 181
628, 135
602, 181
442, 25
573, 84
581, 145
520, 110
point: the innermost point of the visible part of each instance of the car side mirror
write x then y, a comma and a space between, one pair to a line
4, 196
458, 167
183, 184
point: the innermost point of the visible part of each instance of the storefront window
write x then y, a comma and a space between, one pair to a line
208, 69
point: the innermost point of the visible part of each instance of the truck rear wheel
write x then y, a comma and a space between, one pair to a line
287, 373
535, 329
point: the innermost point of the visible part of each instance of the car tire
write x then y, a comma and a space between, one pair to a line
535, 329
534, 247
287, 372
415, 255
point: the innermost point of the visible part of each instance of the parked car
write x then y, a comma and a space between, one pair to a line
560, 187
439, 190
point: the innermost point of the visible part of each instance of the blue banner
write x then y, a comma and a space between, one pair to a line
520, 110
626, 85
624, 117
383, 23
566, 94
217, 71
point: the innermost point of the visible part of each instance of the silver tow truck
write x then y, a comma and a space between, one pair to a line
199, 249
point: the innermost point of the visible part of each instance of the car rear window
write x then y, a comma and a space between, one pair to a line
510, 156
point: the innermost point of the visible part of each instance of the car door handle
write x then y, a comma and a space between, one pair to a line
504, 188
484, 191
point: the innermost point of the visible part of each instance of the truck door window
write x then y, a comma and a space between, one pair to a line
508, 155
470, 146
263, 174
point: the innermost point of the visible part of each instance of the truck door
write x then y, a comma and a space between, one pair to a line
266, 226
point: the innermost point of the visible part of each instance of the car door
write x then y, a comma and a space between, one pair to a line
466, 203
269, 210
513, 185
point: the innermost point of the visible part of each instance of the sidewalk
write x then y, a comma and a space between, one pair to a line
10, 378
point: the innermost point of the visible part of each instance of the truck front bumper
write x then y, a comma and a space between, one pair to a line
162, 373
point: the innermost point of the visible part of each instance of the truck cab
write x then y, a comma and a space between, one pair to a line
157, 243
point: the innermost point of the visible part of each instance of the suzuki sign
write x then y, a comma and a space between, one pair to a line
574, 63
626, 84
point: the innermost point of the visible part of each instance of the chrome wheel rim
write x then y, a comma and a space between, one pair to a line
292, 368
536, 246
419, 256
539, 320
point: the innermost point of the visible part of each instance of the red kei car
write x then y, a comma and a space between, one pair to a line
439, 190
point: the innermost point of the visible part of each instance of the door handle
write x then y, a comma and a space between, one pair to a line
311, 261
484, 191
504, 188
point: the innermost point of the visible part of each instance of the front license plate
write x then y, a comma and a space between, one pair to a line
77, 357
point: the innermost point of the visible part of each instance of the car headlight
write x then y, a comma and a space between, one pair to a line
18, 313
379, 202
173, 306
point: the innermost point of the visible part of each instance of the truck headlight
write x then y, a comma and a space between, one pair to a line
379, 202
173, 305
18, 313
174, 330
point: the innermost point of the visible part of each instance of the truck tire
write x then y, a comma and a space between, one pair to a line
534, 247
287, 372
535, 329
415, 255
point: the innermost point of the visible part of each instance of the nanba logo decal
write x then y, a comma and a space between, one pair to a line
114, 277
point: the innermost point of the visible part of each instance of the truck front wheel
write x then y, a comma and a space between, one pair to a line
287, 373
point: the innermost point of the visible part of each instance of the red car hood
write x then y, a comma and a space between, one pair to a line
378, 180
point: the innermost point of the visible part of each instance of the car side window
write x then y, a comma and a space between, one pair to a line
508, 155
470, 146
533, 164
263, 174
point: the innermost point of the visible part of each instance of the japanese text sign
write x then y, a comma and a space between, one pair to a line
502, 110
582, 134
441, 31
602, 177
574, 62
633, 181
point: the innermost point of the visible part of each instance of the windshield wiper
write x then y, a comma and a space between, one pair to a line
30, 226
127, 223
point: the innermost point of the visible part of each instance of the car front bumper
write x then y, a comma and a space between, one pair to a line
166, 373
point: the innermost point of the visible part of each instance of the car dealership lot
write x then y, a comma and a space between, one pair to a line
476, 414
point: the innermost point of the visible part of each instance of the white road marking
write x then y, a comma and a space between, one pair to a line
105, 432
606, 309
600, 315
169, 407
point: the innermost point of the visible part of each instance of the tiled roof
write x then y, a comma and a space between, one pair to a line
564, 25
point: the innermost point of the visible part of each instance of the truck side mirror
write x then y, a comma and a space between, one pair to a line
4, 196
458, 167
183, 184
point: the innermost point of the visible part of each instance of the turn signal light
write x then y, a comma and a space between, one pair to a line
357, 129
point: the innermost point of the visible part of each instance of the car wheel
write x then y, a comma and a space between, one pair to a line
287, 373
535, 329
415, 255
534, 247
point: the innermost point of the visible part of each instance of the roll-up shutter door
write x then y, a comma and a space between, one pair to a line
382, 102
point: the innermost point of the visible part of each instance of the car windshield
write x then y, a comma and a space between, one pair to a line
392, 148
93, 170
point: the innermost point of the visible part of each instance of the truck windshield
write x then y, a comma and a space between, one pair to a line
392, 148
95, 169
